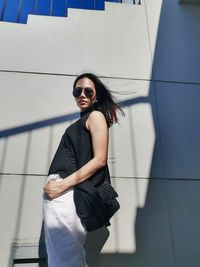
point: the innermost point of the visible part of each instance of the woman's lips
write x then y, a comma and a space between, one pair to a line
82, 102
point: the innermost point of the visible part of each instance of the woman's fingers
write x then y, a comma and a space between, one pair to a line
53, 189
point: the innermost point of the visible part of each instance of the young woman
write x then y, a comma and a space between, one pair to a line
87, 140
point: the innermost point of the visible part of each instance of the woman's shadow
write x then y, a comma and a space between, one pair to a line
94, 243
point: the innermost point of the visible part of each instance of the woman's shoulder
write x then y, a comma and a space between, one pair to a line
92, 115
96, 114
96, 118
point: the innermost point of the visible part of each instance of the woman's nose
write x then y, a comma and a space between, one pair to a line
82, 93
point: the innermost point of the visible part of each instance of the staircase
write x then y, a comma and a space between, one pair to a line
17, 11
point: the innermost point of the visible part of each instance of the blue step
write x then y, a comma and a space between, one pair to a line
59, 8
27, 7
18, 10
11, 10
43, 7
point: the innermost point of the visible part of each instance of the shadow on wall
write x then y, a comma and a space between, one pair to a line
167, 227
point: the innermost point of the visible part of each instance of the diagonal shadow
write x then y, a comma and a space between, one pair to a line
60, 119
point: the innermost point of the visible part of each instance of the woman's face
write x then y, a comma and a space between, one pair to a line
84, 93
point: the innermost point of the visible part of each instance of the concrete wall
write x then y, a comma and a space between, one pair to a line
149, 55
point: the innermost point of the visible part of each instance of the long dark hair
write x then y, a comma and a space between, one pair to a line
106, 102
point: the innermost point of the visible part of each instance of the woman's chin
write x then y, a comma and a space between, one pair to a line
83, 107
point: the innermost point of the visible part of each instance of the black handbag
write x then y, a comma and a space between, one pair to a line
108, 196
95, 205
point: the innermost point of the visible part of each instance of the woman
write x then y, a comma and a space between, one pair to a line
86, 141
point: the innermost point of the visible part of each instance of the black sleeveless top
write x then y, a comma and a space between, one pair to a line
76, 145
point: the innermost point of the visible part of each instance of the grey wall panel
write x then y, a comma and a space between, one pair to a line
152, 229
153, 243
3, 144
39, 146
178, 113
21, 213
183, 199
189, 1
16, 153
176, 57
28, 98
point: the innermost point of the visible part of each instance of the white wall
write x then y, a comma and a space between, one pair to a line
84, 40
154, 48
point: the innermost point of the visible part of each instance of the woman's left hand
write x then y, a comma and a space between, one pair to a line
53, 189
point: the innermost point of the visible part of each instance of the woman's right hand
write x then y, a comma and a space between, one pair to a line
54, 188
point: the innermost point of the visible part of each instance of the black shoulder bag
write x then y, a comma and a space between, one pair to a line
94, 205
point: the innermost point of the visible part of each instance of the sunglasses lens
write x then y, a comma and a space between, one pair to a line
77, 92
88, 92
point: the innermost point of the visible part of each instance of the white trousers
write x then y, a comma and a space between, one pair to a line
64, 233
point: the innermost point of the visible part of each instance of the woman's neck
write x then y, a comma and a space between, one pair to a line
90, 108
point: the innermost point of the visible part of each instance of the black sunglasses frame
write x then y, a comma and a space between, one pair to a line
88, 92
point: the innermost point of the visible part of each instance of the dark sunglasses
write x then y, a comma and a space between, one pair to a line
88, 92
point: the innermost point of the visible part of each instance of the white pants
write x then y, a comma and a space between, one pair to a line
64, 233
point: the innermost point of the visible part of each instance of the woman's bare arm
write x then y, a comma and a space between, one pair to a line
98, 128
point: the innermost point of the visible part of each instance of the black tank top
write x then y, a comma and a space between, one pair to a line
76, 145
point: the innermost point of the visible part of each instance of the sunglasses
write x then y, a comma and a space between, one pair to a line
88, 92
